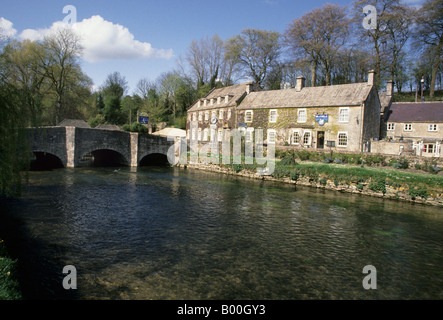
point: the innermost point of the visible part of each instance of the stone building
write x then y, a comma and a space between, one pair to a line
339, 117
415, 126
219, 109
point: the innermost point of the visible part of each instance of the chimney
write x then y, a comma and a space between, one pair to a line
390, 88
371, 78
249, 87
300, 83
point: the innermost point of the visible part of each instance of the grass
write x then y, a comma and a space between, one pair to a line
9, 286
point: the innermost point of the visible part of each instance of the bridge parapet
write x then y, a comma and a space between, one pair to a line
71, 144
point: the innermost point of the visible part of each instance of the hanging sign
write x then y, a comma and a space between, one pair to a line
321, 118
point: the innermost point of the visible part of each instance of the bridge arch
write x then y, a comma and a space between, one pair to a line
154, 159
104, 157
43, 160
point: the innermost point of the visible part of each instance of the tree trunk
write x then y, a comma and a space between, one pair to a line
435, 69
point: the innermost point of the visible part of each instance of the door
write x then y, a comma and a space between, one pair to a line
320, 139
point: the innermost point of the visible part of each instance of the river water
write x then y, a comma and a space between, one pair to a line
170, 233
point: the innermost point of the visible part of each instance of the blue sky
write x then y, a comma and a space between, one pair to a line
142, 39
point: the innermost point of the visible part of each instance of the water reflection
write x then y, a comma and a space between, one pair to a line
162, 233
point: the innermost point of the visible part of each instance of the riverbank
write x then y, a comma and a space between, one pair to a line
9, 286
370, 181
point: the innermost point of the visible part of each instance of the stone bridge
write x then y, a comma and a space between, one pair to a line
75, 147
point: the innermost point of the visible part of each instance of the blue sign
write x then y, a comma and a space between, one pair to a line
144, 120
321, 118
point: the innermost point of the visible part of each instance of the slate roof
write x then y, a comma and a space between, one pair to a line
235, 92
109, 127
74, 123
338, 95
416, 112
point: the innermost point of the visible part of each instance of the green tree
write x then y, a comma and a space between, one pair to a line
113, 90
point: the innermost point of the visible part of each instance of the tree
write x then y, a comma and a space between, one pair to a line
27, 76
379, 33
14, 150
147, 91
59, 61
318, 35
257, 52
429, 35
113, 90
398, 31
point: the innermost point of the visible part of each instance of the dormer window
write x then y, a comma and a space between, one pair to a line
218, 100
226, 99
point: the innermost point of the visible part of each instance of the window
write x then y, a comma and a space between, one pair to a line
206, 115
433, 127
194, 116
295, 139
187, 134
249, 134
408, 127
229, 114
213, 114
301, 115
220, 134
271, 136
343, 115
248, 116
307, 138
273, 116
200, 116
194, 134
220, 114
199, 137
205, 134
429, 148
391, 126
342, 139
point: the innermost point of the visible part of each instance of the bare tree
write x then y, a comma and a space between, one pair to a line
59, 61
257, 52
429, 35
377, 35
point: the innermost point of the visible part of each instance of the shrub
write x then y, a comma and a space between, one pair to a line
415, 192
378, 186
288, 159
323, 181
281, 172
295, 175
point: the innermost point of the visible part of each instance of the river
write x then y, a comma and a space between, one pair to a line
170, 233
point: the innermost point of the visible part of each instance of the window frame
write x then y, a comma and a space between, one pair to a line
246, 116
391, 126
305, 115
293, 132
271, 116
407, 127
338, 139
268, 135
309, 143
346, 120
433, 127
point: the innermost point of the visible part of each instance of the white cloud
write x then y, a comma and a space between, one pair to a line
103, 40
6, 28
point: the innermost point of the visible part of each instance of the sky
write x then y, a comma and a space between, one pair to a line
143, 39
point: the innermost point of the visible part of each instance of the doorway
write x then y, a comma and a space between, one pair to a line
320, 139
